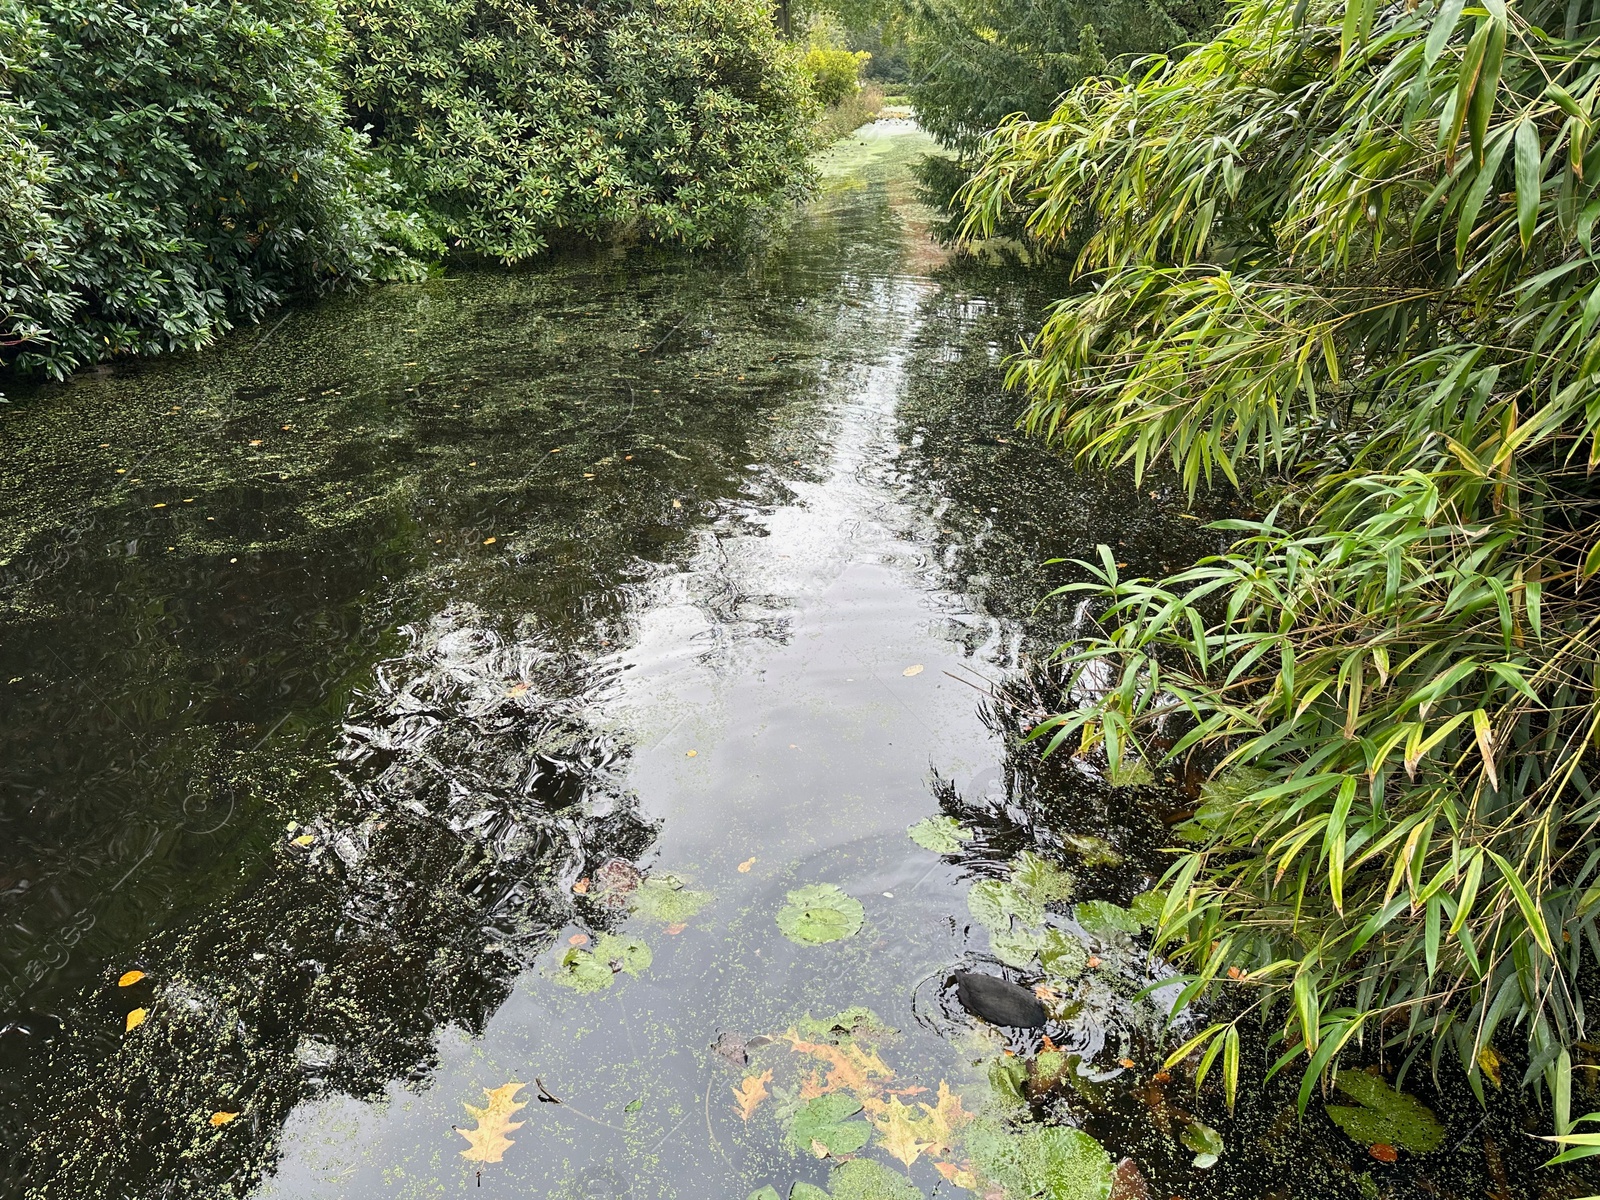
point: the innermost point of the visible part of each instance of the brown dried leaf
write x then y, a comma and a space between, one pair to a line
944, 1119
752, 1090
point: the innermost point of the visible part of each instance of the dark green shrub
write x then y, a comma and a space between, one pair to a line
199, 170
511, 124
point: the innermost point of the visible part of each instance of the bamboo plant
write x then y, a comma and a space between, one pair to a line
1341, 257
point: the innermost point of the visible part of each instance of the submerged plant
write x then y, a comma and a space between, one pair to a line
1346, 252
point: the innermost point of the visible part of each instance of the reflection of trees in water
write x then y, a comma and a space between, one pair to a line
477, 791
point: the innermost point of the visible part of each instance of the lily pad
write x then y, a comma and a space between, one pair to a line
595, 970
820, 912
767, 1193
1130, 773
1095, 851
1385, 1115
1105, 919
993, 902
1146, 908
825, 1122
665, 898
1016, 947
942, 835
1039, 879
852, 1023
1062, 956
867, 1179
1206, 1143
806, 1191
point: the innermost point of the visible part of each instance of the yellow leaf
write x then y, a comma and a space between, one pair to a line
488, 1142
751, 1091
305, 839
944, 1119
1489, 1064
129, 978
898, 1132
489, 541
744, 867
135, 1019
221, 1118
913, 669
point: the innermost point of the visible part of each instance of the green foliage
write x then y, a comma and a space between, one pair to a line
975, 62
1385, 1115
172, 169
510, 126
1349, 251
1105, 919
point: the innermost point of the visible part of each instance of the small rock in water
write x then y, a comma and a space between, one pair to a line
998, 1001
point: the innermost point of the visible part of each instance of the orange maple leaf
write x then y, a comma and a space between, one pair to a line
488, 1142
752, 1090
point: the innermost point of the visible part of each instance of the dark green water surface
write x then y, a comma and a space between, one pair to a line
334, 658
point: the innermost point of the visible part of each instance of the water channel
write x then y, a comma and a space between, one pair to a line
444, 688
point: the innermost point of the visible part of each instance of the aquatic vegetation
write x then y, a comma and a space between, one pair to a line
823, 1126
667, 899
1383, 1116
1105, 919
596, 969
941, 834
1054, 1162
1342, 260
818, 913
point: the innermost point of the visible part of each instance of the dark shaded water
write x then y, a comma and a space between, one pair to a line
340, 661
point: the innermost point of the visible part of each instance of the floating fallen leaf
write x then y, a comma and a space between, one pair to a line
489, 541
1046, 993
222, 1118
162, 505
1384, 1152
898, 1132
752, 1090
488, 1142
1385, 1116
944, 1120
135, 1019
129, 978
690, 753
677, 504
744, 867
676, 928
305, 839
581, 887
1127, 1062
256, 442
913, 669
577, 939
1093, 961
517, 689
